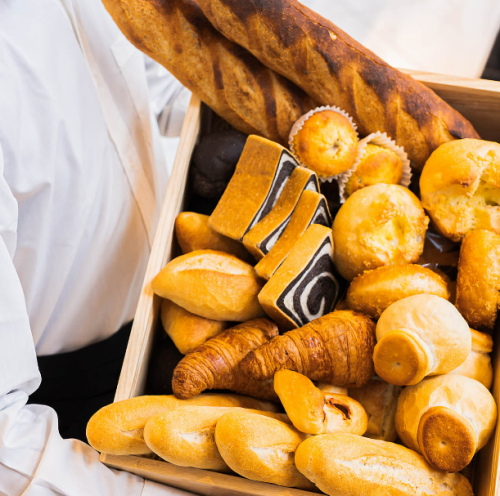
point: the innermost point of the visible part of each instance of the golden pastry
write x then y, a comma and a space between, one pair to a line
460, 187
383, 224
377, 165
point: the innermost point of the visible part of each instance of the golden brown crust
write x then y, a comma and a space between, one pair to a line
344, 414
215, 364
478, 281
374, 290
225, 76
336, 348
336, 70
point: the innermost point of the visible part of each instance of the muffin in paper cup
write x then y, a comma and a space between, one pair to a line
382, 161
325, 141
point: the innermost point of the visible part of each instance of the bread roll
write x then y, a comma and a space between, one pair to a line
419, 336
193, 233
260, 448
374, 290
187, 330
348, 465
379, 225
478, 281
117, 429
211, 284
446, 418
186, 436
478, 364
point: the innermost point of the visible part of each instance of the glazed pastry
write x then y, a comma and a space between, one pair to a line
193, 233
214, 364
214, 161
312, 208
380, 401
264, 168
336, 349
377, 165
478, 364
314, 411
347, 465
383, 224
263, 236
304, 287
459, 187
186, 330
211, 284
325, 142
374, 290
478, 281
447, 419
419, 336
260, 448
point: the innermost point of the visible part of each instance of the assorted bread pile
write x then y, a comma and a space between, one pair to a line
357, 351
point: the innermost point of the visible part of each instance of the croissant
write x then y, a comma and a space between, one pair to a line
214, 364
336, 348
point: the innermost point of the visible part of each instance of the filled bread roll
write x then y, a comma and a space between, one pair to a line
374, 290
117, 429
383, 224
211, 284
348, 465
419, 336
478, 281
478, 364
459, 187
186, 436
260, 448
446, 418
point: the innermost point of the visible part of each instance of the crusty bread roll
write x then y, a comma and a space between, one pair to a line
478, 281
383, 224
211, 284
446, 418
187, 330
459, 187
419, 336
260, 448
380, 401
193, 233
336, 70
348, 465
252, 98
478, 364
374, 290
186, 436
118, 428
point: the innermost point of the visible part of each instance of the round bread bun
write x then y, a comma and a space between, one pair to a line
374, 290
459, 187
447, 419
478, 281
383, 224
326, 143
378, 165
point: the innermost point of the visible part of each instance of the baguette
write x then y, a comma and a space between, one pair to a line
248, 95
336, 70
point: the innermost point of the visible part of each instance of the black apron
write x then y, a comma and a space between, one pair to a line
78, 383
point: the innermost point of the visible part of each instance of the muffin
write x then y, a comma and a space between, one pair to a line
377, 165
379, 225
460, 187
325, 143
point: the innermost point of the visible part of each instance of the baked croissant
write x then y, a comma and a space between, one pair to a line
214, 364
336, 348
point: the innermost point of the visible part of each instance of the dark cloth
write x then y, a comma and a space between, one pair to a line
78, 383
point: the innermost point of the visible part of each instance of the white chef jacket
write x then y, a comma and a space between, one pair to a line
81, 180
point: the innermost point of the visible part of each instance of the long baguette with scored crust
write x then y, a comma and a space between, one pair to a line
248, 95
336, 70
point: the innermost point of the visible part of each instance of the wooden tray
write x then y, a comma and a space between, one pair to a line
478, 100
